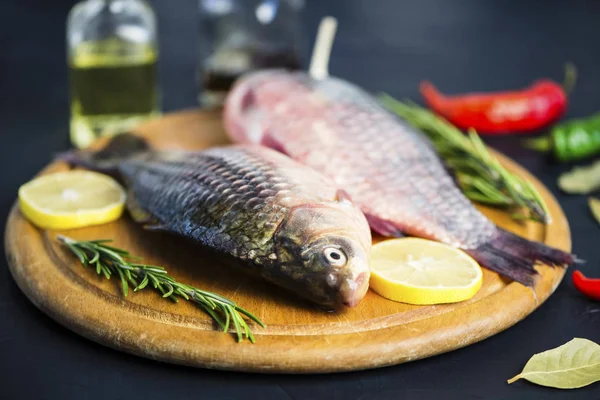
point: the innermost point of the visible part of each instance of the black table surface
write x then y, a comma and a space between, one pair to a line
383, 45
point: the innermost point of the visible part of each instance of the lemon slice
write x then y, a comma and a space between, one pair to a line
419, 271
72, 199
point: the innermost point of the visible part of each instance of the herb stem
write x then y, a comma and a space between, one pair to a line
110, 261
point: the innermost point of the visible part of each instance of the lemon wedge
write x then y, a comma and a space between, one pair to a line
72, 199
419, 271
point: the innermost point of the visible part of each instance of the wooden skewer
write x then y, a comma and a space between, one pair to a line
319, 61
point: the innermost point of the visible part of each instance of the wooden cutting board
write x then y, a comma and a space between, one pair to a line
298, 338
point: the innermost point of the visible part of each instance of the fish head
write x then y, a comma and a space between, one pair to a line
325, 249
270, 91
260, 100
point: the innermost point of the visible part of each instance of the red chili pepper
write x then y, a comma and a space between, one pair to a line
588, 286
505, 112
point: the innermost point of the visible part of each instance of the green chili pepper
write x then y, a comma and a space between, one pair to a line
571, 140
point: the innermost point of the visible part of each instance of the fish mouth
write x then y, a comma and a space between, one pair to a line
353, 290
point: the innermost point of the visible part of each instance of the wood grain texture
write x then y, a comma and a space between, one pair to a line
298, 338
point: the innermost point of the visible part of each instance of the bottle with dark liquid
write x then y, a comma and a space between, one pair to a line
238, 36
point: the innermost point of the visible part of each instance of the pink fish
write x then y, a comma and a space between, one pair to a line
389, 169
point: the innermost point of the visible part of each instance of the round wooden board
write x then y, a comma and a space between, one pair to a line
298, 338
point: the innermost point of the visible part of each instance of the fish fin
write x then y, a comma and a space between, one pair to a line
137, 213
269, 141
341, 195
383, 227
121, 146
514, 257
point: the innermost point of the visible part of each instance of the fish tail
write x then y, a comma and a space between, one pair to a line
121, 147
514, 257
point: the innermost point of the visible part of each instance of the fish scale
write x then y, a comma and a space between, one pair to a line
280, 219
205, 205
389, 169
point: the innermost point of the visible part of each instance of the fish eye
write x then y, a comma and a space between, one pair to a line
334, 256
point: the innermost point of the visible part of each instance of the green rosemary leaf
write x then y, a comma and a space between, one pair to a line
127, 267
247, 330
227, 319
112, 254
236, 324
518, 216
80, 254
483, 199
161, 288
184, 294
169, 291
142, 284
95, 257
106, 272
121, 252
150, 268
210, 311
155, 282
206, 299
490, 191
214, 296
173, 298
467, 165
249, 315
98, 267
131, 278
101, 241
124, 284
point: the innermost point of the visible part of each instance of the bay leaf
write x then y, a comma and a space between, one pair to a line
573, 365
594, 204
581, 180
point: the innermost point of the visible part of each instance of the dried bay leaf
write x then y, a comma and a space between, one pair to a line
572, 365
581, 180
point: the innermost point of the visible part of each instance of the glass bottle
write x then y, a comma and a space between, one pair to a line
112, 55
237, 36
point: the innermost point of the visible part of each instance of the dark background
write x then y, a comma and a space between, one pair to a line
383, 45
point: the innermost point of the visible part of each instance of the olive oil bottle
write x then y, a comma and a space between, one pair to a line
112, 58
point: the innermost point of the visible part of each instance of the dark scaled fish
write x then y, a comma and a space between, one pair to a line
391, 170
287, 223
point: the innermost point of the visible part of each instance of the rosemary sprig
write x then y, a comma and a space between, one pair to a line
108, 261
479, 174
